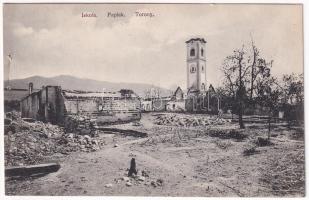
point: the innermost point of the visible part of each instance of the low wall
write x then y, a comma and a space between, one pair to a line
101, 112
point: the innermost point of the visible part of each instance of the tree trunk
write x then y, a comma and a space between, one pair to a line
240, 112
252, 72
240, 97
241, 123
269, 118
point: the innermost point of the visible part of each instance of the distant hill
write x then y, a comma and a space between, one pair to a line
74, 83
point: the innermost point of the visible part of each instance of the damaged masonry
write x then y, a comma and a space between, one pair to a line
90, 109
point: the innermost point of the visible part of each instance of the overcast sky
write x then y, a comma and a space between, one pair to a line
50, 40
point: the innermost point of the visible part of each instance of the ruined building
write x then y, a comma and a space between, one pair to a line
52, 104
177, 102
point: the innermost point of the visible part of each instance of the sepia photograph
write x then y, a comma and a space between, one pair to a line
153, 99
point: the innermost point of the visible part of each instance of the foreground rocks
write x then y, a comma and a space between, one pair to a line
29, 142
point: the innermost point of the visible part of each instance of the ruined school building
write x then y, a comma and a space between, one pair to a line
52, 104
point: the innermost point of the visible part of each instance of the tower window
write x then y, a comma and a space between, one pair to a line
192, 69
192, 52
202, 52
202, 68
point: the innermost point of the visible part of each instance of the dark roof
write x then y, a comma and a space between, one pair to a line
196, 39
15, 89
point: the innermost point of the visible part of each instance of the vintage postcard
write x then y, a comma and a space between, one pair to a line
172, 100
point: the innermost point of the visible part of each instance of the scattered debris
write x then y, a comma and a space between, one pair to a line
188, 120
145, 173
109, 185
126, 179
157, 183
129, 184
141, 178
27, 143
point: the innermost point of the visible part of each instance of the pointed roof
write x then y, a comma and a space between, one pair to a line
211, 88
196, 39
178, 88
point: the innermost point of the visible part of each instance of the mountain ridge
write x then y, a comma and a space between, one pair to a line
69, 82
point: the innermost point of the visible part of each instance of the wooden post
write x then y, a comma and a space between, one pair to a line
132, 169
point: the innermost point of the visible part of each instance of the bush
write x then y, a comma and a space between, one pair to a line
261, 142
250, 150
228, 134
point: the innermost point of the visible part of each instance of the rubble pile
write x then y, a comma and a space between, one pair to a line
85, 143
81, 124
27, 143
189, 121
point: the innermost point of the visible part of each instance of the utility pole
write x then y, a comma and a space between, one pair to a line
10, 58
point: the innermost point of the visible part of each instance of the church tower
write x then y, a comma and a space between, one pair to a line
196, 65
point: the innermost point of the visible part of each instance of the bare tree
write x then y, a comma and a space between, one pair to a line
244, 72
293, 88
268, 96
235, 69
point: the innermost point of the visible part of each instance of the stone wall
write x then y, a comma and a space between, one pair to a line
105, 111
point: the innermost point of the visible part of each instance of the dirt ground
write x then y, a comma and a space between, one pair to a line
186, 161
